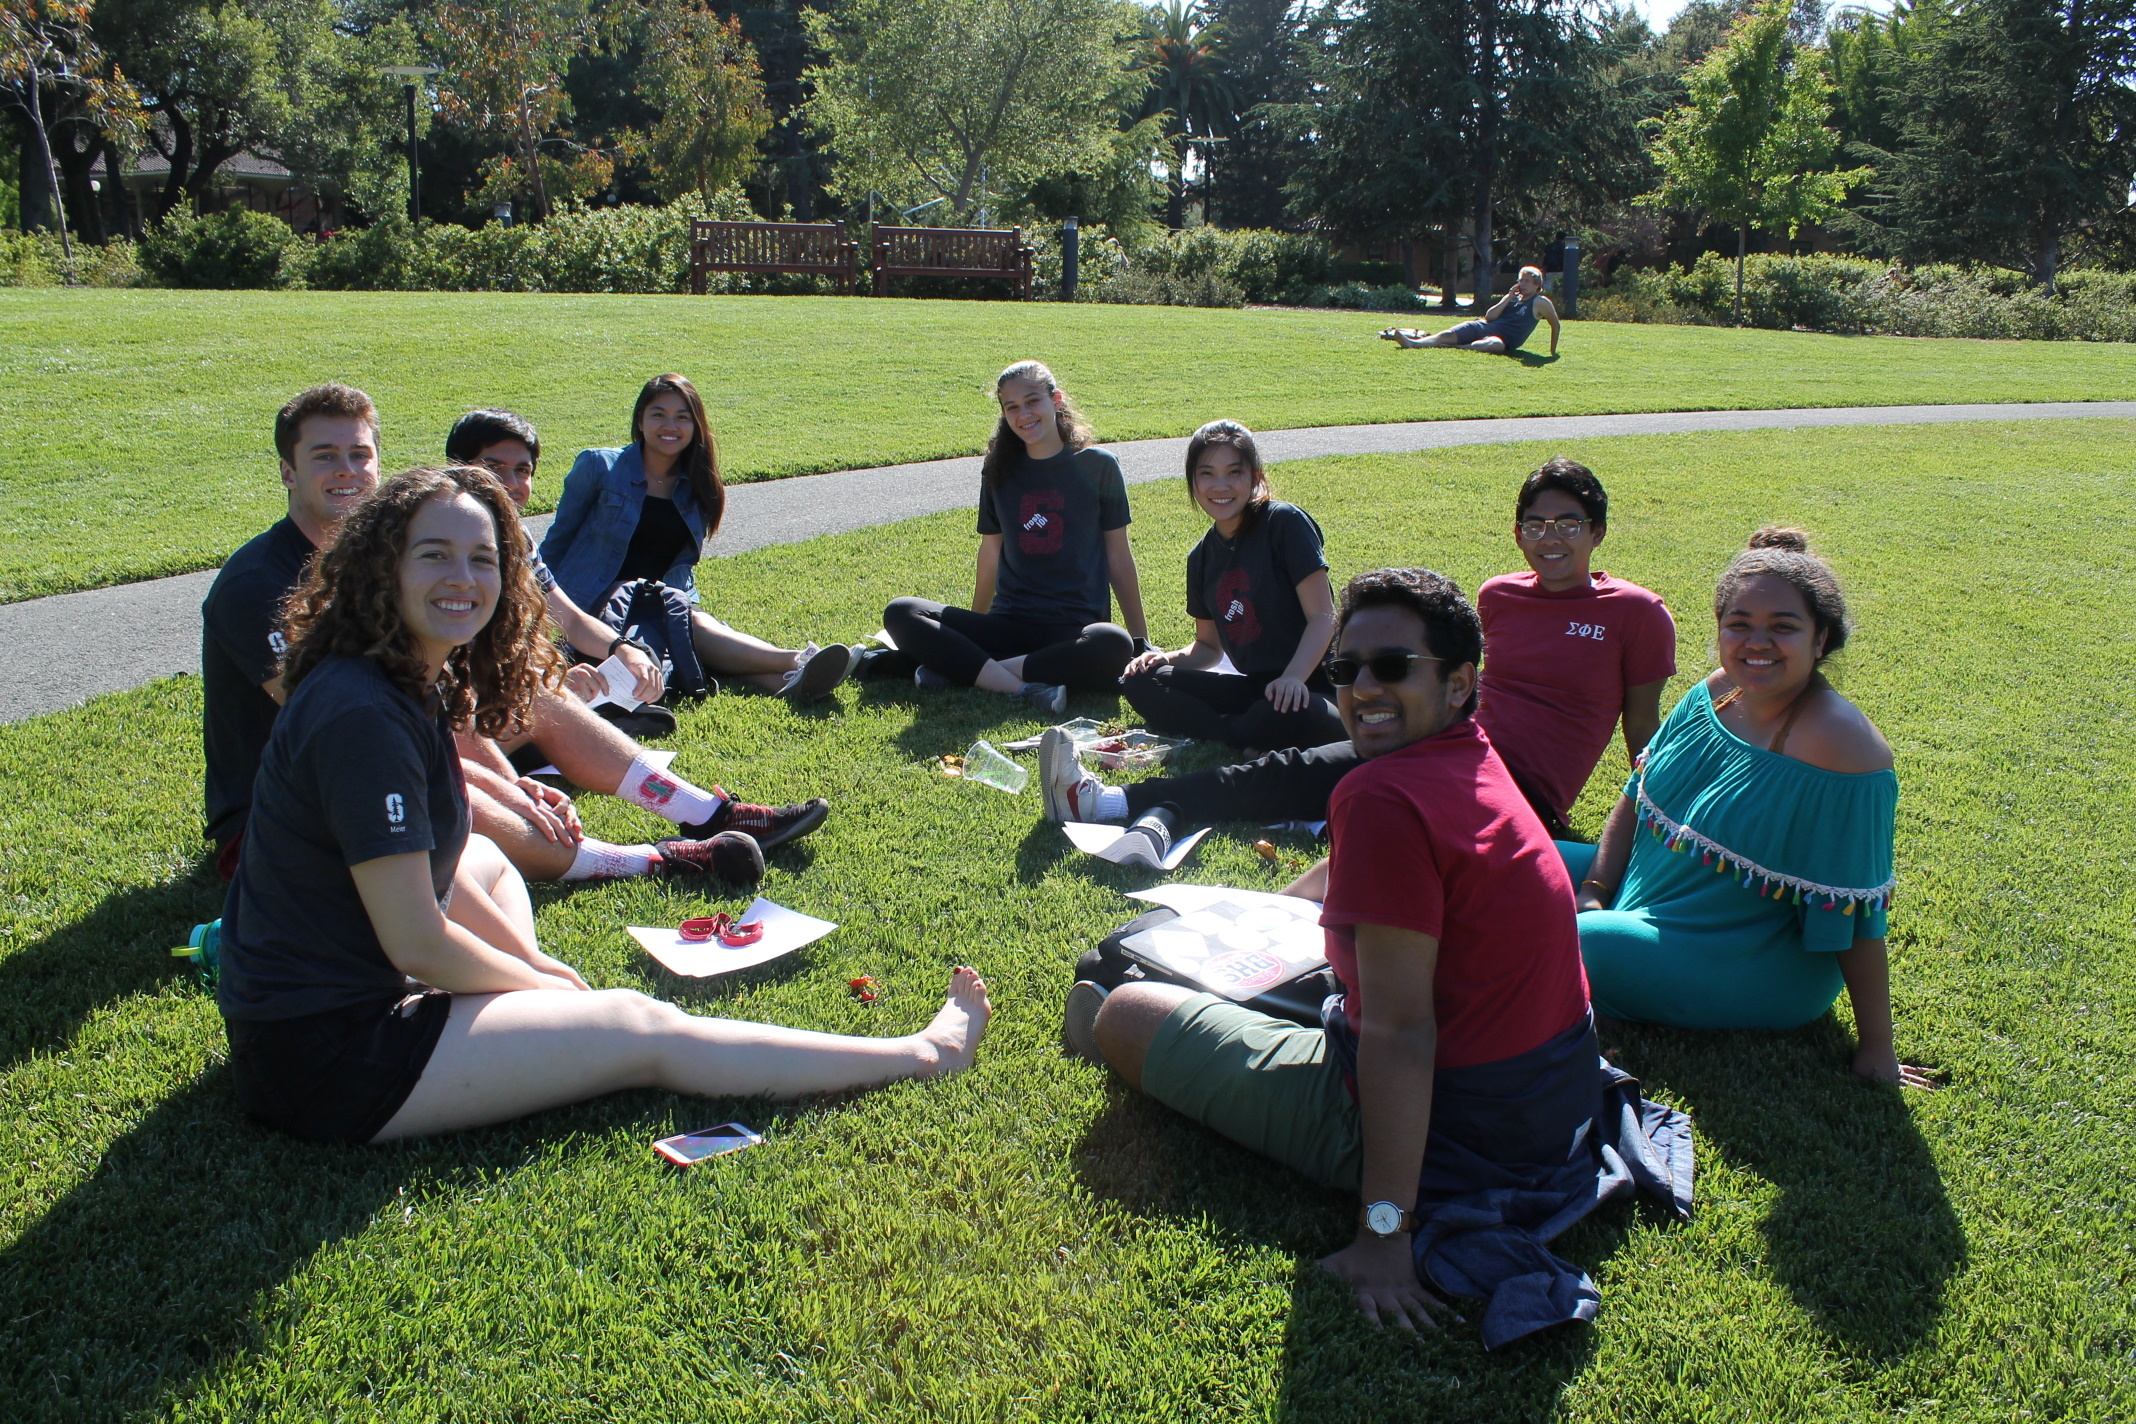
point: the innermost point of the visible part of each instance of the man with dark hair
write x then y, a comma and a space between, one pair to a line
1569, 651
1454, 1085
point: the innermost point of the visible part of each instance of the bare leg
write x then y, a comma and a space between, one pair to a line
727, 652
1489, 345
490, 898
586, 748
505, 1055
1130, 1019
997, 677
531, 853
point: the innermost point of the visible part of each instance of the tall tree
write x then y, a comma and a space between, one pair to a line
924, 97
1749, 147
1431, 109
504, 75
1190, 89
2019, 137
702, 73
54, 73
1264, 67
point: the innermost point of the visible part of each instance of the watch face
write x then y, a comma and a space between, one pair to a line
1385, 1218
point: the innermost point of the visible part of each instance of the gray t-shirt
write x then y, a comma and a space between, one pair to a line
1053, 516
1248, 587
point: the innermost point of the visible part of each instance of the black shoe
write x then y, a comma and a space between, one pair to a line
733, 856
872, 663
824, 670
769, 826
649, 723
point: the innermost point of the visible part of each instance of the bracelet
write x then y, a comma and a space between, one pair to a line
1142, 645
1607, 890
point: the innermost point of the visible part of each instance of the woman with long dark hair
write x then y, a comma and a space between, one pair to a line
1258, 590
643, 511
380, 975
1053, 552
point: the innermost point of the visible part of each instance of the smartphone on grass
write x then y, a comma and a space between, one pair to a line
692, 1148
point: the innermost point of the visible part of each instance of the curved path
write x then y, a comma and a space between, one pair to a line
80, 645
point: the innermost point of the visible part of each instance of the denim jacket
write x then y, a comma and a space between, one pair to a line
595, 518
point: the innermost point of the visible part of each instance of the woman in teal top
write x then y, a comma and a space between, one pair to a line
1745, 876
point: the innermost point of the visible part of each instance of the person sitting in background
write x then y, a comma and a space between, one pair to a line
380, 976
1761, 884
1455, 1085
643, 511
1509, 322
1570, 652
1257, 589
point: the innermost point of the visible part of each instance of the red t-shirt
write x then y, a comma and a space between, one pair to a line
1555, 667
1437, 839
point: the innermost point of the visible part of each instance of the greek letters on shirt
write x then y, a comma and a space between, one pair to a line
1235, 608
1586, 630
1041, 522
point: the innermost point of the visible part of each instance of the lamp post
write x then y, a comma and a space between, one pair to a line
413, 74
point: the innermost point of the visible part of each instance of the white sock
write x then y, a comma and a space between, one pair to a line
665, 794
1112, 804
598, 860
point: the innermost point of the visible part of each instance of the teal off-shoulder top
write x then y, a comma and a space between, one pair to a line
1750, 871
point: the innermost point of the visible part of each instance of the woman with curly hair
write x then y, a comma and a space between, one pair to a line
1745, 875
380, 974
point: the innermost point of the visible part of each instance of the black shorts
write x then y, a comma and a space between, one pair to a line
338, 1076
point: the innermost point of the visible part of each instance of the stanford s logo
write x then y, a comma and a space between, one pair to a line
1041, 527
396, 812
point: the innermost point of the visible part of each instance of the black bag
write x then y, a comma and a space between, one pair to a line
659, 617
1109, 966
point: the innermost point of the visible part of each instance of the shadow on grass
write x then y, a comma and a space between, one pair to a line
1863, 1235
119, 949
1533, 358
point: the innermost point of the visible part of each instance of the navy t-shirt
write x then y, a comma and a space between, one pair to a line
240, 648
1053, 516
1248, 586
355, 770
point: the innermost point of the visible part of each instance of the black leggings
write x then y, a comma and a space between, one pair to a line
957, 643
1290, 785
1230, 707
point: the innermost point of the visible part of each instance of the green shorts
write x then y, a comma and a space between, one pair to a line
1266, 1083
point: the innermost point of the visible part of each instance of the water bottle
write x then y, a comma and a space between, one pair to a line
204, 948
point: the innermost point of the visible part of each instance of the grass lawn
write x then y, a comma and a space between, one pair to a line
136, 427
1028, 1240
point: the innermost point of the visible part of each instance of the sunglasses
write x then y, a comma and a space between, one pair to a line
1387, 668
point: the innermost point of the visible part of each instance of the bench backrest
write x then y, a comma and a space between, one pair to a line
907, 250
769, 246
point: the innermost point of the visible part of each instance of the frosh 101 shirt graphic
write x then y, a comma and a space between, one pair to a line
1248, 586
1052, 516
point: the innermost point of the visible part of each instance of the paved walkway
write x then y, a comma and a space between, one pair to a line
84, 644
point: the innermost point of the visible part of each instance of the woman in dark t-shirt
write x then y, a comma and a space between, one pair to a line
380, 972
644, 511
1257, 587
1052, 553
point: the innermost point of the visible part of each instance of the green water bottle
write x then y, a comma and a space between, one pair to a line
204, 948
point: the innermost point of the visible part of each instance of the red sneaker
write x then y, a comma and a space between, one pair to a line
733, 856
771, 826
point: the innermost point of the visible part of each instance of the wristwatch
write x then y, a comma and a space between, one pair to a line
1384, 1218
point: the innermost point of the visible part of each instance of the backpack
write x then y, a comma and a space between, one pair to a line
659, 617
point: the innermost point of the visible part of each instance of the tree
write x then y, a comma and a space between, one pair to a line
924, 97
1749, 147
2019, 136
504, 75
47, 55
1430, 109
1183, 53
1263, 69
709, 87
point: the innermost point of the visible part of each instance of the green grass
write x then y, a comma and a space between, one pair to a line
1030, 1241
136, 427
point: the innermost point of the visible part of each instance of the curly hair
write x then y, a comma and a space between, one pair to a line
1785, 554
349, 604
1005, 451
1230, 433
1452, 630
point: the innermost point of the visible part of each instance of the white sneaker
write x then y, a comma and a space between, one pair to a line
1079, 1021
1071, 792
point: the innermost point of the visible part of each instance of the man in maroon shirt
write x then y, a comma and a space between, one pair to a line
1458, 1069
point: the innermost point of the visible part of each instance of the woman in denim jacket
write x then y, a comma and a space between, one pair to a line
644, 511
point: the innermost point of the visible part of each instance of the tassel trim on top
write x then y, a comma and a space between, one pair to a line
1767, 884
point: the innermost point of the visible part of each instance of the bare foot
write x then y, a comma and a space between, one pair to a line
952, 1040
1411, 340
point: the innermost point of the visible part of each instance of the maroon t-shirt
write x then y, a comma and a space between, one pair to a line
1555, 667
1437, 839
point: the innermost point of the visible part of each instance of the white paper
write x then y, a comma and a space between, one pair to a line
655, 757
1238, 944
882, 635
1104, 842
1187, 899
784, 932
621, 685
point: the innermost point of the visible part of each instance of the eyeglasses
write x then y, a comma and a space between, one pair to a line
1532, 529
1387, 668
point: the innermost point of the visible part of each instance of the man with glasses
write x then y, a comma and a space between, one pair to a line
1454, 1085
1569, 652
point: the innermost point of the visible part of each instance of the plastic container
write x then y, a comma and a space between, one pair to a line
989, 767
204, 948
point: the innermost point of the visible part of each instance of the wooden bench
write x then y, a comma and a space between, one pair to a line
810, 249
952, 252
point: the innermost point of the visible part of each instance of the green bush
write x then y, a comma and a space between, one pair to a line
1357, 296
36, 259
1264, 266
1139, 286
223, 251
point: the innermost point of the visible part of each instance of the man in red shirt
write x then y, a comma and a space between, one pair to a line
1570, 651
1460, 1061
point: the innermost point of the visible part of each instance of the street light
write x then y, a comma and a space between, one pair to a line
413, 74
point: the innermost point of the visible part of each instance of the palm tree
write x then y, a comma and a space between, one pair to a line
1183, 51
